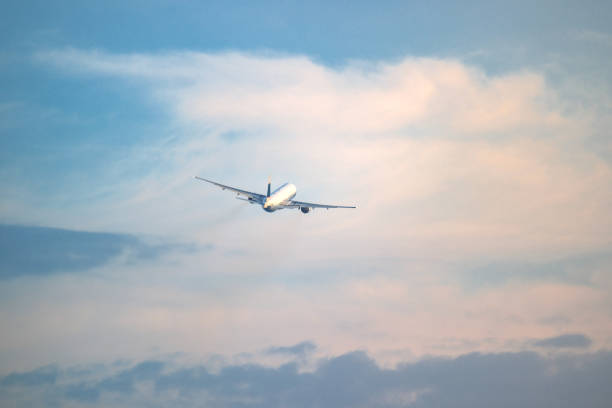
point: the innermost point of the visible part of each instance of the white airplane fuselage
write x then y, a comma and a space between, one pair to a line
282, 195
278, 199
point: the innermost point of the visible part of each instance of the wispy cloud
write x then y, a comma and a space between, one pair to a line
41, 251
576, 340
301, 349
40, 376
598, 37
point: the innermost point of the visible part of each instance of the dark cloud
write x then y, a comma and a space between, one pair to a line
301, 349
27, 250
475, 380
565, 341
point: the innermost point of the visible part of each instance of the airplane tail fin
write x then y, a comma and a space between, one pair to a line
269, 182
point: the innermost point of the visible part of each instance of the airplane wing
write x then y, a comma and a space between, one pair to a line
259, 198
299, 204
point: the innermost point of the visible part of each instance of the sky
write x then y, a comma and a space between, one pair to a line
473, 137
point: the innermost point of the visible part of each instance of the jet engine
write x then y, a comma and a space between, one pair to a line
305, 210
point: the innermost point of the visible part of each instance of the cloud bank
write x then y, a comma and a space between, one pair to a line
349, 380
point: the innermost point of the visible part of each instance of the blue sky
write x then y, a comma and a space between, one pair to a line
473, 136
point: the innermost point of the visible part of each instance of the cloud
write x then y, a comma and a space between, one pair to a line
597, 37
579, 270
352, 379
462, 179
565, 341
301, 349
248, 91
125, 381
40, 251
40, 376
442, 159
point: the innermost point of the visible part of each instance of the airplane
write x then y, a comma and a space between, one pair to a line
279, 199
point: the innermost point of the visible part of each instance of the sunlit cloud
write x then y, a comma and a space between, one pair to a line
296, 95
439, 156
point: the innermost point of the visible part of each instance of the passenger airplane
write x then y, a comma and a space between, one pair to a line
280, 198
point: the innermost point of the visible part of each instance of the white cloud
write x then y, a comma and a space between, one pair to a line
439, 156
447, 164
197, 306
296, 95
